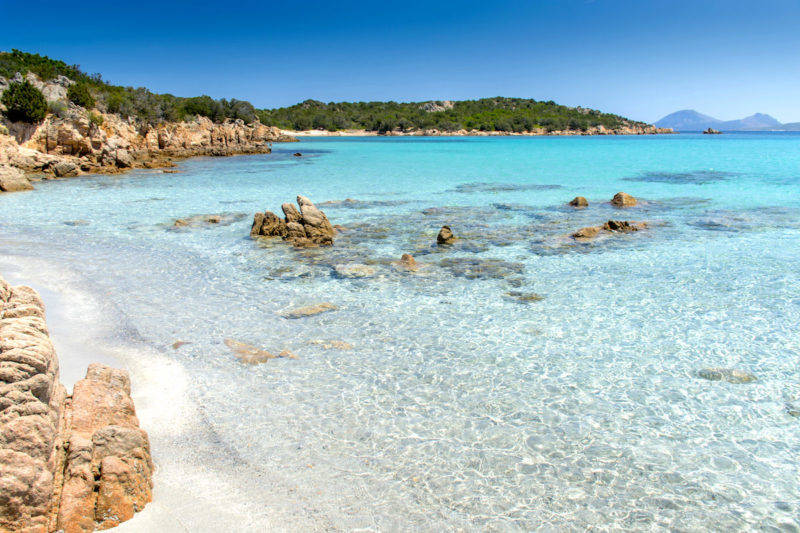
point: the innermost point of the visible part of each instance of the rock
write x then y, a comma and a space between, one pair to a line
579, 201
297, 154
354, 270
124, 159
195, 221
474, 268
108, 472
586, 233
525, 297
65, 169
620, 226
731, 375
332, 345
622, 199
75, 463
445, 236
304, 228
711, 131
408, 262
178, 344
309, 310
250, 355
12, 180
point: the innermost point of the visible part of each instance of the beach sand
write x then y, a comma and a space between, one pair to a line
198, 484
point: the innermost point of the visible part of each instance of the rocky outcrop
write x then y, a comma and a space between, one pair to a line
305, 228
73, 463
12, 179
623, 199
711, 131
445, 236
622, 226
579, 201
586, 233
97, 142
309, 310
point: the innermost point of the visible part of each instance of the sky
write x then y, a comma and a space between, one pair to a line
642, 59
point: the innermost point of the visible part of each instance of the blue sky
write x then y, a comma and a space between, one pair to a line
639, 58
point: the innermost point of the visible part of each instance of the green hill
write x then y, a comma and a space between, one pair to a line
487, 114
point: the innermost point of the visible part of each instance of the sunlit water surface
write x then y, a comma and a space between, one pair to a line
461, 404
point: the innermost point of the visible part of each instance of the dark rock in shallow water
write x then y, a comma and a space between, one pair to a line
354, 270
621, 226
731, 375
407, 262
305, 228
445, 236
579, 201
623, 199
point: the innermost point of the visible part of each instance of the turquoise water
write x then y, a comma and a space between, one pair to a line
460, 406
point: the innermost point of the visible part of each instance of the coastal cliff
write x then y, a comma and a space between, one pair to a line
72, 140
67, 463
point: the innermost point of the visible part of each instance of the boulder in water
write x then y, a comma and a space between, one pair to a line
579, 201
354, 270
305, 228
621, 226
445, 236
623, 199
586, 233
12, 180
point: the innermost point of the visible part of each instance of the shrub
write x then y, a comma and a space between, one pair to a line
95, 118
57, 108
3, 129
79, 94
24, 103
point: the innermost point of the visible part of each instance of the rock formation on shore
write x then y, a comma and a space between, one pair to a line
305, 228
67, 463
445, 236
75, 140
579, 201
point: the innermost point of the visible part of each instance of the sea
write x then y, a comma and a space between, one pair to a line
518, 379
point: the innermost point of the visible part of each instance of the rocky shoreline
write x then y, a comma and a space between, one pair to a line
72, 140
72, 463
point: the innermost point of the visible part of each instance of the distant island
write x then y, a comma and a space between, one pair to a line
691, 120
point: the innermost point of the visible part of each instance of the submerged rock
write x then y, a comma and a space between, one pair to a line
473, 268
623, 199
72, 463
354, 270
13, 180
445, 236
586, 233
309, 310
331, 344
408, 262
195, 221
305, 228
731, 375
525, 297
251, 355
579, 201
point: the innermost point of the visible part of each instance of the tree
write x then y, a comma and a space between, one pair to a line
24, 103
79, 94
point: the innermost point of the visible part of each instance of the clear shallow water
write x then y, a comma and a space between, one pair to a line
460, 406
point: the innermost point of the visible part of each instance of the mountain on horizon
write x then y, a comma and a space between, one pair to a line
691, 120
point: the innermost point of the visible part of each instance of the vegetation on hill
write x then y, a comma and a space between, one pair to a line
140, 103
487, 114
24, 103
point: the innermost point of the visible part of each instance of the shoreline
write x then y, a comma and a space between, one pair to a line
197, 485
477, 133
